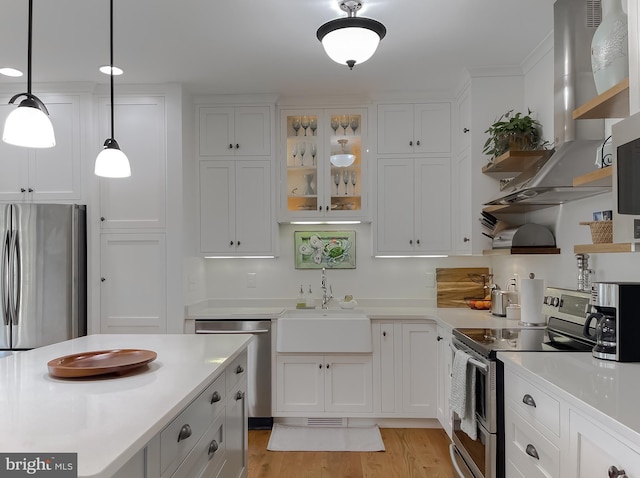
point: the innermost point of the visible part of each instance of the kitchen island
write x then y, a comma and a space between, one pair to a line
116, 421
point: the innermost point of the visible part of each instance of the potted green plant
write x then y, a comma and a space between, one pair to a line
513, 132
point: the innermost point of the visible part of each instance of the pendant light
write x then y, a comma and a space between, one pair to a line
351, 40
344, 159
111, 161
29, 124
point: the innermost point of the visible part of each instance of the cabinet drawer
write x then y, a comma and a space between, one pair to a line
236, 371
196, 417
523, 443
208, 455
532, 402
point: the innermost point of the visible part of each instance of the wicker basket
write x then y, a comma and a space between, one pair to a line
601, 231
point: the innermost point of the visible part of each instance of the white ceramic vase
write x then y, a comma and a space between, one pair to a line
609, 47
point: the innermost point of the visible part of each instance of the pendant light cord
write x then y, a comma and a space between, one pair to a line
111, 61
29, 48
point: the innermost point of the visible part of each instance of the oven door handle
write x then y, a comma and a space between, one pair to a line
476, 363
454, 461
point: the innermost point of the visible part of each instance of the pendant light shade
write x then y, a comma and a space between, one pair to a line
351, 40
111, 161
343, 159
29, 124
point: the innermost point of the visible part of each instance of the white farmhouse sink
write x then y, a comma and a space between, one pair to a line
323, 331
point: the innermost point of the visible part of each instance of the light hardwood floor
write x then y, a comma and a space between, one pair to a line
410, 453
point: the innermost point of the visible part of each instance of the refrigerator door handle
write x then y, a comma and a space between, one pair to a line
15, 275
4, 277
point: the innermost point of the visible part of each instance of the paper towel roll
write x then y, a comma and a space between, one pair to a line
531, 297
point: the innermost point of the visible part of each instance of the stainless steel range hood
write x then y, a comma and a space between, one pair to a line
550, 181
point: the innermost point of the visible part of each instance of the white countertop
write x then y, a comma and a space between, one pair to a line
604, 390
105, 420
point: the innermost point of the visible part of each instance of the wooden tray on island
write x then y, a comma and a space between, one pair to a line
100, 362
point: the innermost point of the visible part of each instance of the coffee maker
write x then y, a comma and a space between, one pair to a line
615, 306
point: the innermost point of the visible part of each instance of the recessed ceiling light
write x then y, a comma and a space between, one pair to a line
10, 72
106, 69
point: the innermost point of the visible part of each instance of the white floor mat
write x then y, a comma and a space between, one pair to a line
288, 438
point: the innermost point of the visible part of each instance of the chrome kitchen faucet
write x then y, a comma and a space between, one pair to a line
325, 298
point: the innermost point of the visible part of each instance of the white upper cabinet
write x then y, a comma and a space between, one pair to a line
49, 174
231, 131
414, 128
139, 201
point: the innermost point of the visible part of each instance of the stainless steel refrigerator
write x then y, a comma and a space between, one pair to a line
43, 274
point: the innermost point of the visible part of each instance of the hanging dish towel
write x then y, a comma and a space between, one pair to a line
463, 399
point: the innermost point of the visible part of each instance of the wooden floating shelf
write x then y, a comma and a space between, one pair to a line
613, 103
521, 250
606, 247
515, 161
598, 177
515, 208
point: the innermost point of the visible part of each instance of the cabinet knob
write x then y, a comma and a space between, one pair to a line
239, 369
528, 400
327, 365
23, 190
237, 146
319, 365
465, 239
384, 333
231, 243
319, 208
239, 395
185, 432
418, 143
615, 473
102, 219
411, 242
465, 130
102, 279
238, 243
230, 146
30, 190
410, 143
438, 338
215, 397
531, 451
213, 447
418, 242
326, 208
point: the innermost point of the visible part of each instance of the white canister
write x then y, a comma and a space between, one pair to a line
513, 312
531, 297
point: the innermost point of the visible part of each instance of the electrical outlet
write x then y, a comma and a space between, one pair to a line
251, 280
430, 279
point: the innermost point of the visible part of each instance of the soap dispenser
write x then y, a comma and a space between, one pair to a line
309, 300
302, 301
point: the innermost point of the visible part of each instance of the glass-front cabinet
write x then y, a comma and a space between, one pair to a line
323, 164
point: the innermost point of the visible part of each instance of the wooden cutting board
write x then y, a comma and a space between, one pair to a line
454, 284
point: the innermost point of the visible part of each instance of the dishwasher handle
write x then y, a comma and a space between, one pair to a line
233, 332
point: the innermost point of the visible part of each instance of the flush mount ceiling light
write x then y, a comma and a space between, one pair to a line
8, 71
29, 124
352, 39
344, 159
111, 161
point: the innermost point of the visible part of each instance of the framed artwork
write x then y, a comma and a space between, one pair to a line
330, 249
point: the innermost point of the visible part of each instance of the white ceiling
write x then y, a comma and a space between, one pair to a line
268, 46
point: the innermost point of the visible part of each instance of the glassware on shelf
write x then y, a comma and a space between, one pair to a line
354, 123
336, 180
354, 177
314, 152
305, 124
335, 122
308, 190
296, 124
303, 149
345, 180
313, 124
344, 122
294, 153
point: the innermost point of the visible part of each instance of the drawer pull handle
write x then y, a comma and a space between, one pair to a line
531, 451
239, 369
528, 400
239, 395
215, 398
615, 473
185, 432
213, 447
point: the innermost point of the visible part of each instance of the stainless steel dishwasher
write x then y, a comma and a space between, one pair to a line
259, 364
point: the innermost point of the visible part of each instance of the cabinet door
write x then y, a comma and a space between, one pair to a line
252, 129
419, 369
395, 129
445, 363
300, 383
463, 129
217, 207
594, 449
389, 381
217, 133
237, 435
55, 173
139, 201
395, 211
461, 203
133, 283
348, 383
14, 163
254, 219
432, 128
433, 205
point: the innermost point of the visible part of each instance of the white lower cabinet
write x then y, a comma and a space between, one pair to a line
208, 439
406, 361
445, 364
317, 384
